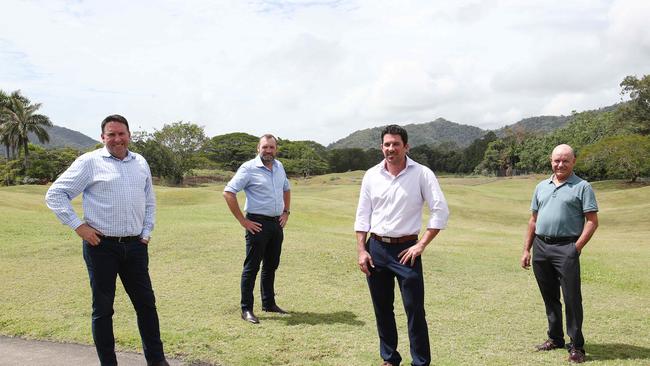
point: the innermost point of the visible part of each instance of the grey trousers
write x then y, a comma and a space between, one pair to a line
557, 267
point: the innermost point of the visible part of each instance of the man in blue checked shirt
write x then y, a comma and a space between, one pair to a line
119, 211
268, 198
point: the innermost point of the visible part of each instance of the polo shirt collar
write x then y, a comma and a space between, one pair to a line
573, 178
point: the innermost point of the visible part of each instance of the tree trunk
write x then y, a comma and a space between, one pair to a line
26, 153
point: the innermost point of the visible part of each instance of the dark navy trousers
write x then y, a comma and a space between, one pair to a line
262, 248
557, 266
382, 290
129, 260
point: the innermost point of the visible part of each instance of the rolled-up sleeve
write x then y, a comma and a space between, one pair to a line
68, 186
435, 200
364, 208
150, 206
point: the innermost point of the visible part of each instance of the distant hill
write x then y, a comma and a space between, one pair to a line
65, 137
432, 133
539, 125
442, 131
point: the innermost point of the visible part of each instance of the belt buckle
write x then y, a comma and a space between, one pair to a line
121, 240
387, 240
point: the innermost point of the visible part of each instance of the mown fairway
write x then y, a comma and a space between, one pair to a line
482, 308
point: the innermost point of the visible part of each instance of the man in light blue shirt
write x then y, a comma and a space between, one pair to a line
268, 199
119, 211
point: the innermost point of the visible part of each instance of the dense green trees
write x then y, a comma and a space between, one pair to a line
616, 157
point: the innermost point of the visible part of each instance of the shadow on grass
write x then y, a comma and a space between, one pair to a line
617, 351
309, 318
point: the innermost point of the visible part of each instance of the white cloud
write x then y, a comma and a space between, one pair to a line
318, 69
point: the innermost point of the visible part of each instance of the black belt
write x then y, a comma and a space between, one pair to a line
557, 239
389, 240
121, 239
262, 217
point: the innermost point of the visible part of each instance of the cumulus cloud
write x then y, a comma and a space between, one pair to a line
319, 69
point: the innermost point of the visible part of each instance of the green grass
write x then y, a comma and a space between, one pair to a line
482, 308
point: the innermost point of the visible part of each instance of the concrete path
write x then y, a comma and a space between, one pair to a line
21, 352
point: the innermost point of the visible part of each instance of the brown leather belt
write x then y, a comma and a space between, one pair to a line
389, 240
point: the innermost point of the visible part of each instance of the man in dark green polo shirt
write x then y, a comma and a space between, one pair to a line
564, 217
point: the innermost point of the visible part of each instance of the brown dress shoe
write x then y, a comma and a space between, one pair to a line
576, 355
548, 345
274, 309
248, 316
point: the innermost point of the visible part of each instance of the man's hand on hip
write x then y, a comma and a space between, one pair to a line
409, 255
251, 226
89, 234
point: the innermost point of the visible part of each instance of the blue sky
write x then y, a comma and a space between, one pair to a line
319, 70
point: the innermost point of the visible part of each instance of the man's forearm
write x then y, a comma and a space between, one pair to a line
361, 241
233, 205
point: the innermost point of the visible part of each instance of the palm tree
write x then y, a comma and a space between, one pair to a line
4, 138
19, 119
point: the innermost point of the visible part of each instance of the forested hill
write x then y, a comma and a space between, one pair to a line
65, 137
432, 133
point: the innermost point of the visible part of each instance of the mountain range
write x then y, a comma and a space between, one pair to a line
437, 132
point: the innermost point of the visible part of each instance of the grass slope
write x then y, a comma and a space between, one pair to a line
482, 308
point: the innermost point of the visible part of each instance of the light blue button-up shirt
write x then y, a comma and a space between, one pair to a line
118, 197
264, 187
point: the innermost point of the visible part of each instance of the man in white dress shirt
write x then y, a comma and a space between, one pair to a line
390, 209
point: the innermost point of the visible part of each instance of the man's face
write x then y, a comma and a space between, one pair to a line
394, 149
267, 149
562, 162
116, 137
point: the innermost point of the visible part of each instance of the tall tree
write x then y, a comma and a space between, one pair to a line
20, 119
638, 110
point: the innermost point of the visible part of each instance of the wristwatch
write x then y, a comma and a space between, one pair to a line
288, 212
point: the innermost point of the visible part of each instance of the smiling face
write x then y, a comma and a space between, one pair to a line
562, 162
116, 137
394, 150
267, 148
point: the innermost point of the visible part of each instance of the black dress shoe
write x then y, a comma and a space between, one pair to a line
249, 316
274, 309
158, 363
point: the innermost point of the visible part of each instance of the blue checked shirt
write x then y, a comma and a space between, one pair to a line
264, 188
118, 197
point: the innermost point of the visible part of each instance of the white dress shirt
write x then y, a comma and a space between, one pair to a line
392, 205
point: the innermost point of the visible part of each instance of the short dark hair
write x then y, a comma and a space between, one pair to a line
395, 130
115, 118
267, 136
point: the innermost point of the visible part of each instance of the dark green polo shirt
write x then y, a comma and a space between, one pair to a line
560, 210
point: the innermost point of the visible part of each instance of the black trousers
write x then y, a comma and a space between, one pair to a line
382, 290
557, 267
262, 248
129, 260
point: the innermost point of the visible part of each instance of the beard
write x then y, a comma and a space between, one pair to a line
267, 158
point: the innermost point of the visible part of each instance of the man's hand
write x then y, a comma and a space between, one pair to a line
251, 226
525, 259
89, 234
365, 262
410, 254
283, 219
144, 241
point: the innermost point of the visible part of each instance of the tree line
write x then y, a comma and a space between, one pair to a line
612, 144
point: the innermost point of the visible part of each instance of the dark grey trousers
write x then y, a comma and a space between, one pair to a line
557, 266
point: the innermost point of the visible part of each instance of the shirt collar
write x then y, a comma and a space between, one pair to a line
104, 152
409, 162
573, 178
260, 164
